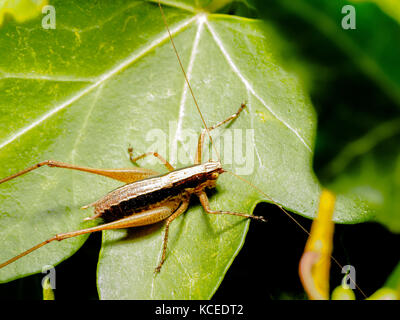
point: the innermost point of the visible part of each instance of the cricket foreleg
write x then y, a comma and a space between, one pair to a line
155, 154
144, 218
206, 205
201, 137
124, 175
182, 208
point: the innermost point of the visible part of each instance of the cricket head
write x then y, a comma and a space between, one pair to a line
213, 169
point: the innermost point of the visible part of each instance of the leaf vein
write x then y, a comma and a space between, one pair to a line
248, 85
36, 76
185, 86
131, 59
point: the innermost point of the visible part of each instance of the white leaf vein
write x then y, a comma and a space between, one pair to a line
106, 76
248, 86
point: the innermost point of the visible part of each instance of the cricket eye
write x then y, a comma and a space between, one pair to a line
214, 175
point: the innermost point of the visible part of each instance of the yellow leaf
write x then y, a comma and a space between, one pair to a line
21, 10
315, 263
343, 293
384, 294
48, 293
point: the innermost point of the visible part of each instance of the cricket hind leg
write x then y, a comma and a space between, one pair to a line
206, 205
144, 218
123, 175
201, 137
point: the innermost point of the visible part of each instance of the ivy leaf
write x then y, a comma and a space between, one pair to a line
394, 280
365, 45
390, 7
107, 78
370, 169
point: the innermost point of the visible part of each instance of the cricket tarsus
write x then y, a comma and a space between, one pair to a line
207, 130
206, 206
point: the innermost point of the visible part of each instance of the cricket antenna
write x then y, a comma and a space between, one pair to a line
186, 78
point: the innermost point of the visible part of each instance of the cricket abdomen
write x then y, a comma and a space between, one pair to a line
136, 205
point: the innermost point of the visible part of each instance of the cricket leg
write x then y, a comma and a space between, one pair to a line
124, 175
144, 218
201, 137
182, 208
206, 205
155, 154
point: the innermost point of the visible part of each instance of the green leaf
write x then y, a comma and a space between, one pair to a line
366, 45
107, 78
390, 7
393, 281
364, 55
21, 10
369, 169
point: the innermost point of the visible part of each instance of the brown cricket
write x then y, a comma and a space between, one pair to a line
147, 198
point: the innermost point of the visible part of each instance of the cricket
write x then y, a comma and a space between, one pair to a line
149, 197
